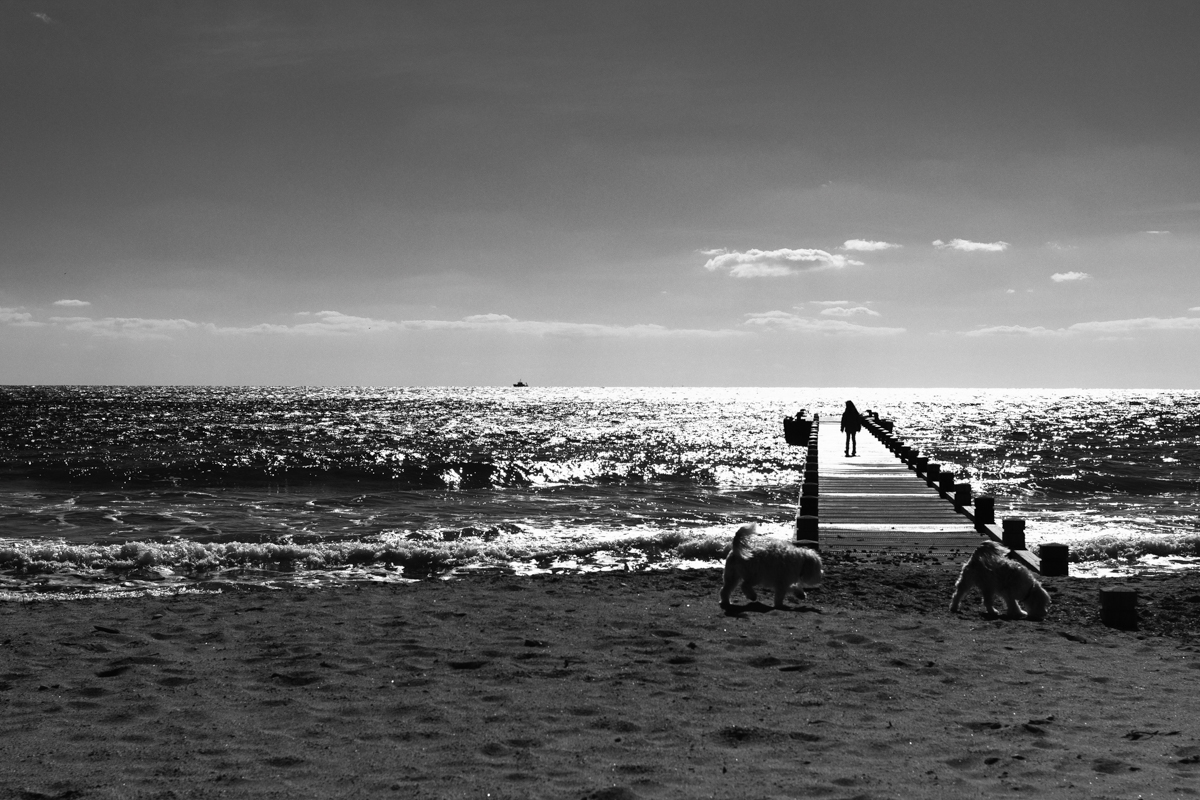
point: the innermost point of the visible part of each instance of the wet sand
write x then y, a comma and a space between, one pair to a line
601, 686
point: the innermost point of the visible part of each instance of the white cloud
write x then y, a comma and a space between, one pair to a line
1105, 327
842, 311
971, 247
1014, 330
126, 327
18, 318
1139, 324
72, 303
774, 263
1061, 277
1158, 233
867, 245
830, 302
1062, 248
1194, 308
783, 320
334, 323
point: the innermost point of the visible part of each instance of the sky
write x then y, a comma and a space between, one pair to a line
692, 193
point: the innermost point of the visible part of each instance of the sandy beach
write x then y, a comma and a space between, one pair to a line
616, 685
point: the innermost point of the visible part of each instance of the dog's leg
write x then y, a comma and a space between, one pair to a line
781, 595
748, 590
1013, 611
731, 579
989, 599
960, 591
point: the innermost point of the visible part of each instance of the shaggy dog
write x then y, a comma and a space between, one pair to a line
777, 564
994, 574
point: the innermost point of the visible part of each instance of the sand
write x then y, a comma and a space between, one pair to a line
601, 686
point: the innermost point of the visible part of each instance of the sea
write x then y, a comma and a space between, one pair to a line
116, 490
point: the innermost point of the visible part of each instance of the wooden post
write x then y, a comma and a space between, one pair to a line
962, 494
946, 481
932, 471
1014, 533
806, 531
808, 506
1118, 608
985, 510
1054, 559
808, 489
921, 463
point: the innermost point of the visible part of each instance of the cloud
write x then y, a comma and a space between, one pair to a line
830, 302
786, 321
1194, 308
126, 327
43, 17
1105, 327
1015, 330
1062, 248
1139, 324
18, 318
842, 311
774, 263
335, 323
1061, 277
1158, 233
867, 245
971, 247
73, 303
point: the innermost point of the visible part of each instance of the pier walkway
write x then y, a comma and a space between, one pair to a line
889, 498
875, 502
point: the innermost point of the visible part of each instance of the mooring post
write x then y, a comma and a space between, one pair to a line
932, 471
1054, 559
921, 463
1118, 608
1014, 534
962, 495
946, 481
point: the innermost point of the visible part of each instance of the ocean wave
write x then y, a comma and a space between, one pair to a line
410, 555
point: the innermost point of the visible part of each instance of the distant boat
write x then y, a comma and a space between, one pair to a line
520, 383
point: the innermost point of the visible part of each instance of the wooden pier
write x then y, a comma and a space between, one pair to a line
890, 499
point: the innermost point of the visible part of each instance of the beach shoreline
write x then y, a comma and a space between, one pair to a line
613, 685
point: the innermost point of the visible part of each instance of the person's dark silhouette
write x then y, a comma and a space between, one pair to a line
851, 424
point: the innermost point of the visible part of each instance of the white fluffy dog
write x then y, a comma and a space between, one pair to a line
998, 577
778, 564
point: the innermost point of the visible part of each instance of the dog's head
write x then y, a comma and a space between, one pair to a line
1037, 602
811, 573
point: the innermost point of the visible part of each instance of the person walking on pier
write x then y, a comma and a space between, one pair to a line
851, 424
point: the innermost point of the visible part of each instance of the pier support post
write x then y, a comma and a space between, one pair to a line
1014, 534
932, 471
1118, 608
808, 506
1054, 559
985, 510
921, 463
806, 531
946, 481
962, 495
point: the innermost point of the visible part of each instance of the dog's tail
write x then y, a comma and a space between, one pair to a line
741, 539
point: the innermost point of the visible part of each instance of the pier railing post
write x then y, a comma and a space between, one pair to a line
807, 532
1014, 533
985, 510
1054, 559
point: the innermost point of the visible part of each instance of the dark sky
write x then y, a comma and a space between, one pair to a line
753, 193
